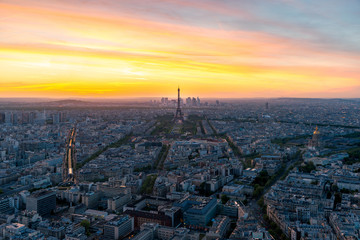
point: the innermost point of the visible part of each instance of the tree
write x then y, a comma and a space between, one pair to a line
262, 178
86, 224
308, 167
337, 199
148, 184
328, 195
314, 182
334, 188
260, 202
258, 190
224, 198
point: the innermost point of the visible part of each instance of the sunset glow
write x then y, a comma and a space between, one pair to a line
134, 48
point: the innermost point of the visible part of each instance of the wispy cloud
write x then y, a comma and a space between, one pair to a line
138, 48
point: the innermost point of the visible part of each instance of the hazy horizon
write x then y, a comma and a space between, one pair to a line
159, 98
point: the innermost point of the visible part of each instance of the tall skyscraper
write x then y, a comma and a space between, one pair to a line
194, 103
188, 102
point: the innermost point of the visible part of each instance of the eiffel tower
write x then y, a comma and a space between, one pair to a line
179, 115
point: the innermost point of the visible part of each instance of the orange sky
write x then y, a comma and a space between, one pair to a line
67, 49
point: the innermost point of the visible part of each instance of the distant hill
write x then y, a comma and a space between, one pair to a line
68, 102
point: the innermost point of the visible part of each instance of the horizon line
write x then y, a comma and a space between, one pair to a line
133, 98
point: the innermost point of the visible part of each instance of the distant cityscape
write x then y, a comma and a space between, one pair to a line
188, 102
175, 169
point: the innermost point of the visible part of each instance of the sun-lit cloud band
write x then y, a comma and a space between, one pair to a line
133, 48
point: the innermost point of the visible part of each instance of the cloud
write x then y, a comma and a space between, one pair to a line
79, 42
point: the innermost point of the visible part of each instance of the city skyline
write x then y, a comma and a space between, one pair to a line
179, 119
129, 49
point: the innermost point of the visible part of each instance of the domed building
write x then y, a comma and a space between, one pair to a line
315, 140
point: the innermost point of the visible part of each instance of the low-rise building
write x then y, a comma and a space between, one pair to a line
43, 202
119, 228
219, 228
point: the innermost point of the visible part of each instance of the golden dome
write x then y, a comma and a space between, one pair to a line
316, 131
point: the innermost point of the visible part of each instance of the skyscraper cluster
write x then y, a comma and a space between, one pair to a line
189, 102
193, 101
